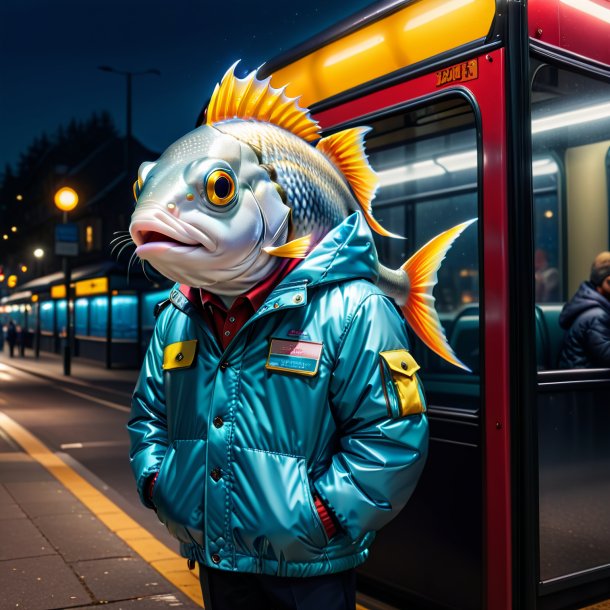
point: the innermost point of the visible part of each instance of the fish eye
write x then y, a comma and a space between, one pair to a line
137, 188
220, 187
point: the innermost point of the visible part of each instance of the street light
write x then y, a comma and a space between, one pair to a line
66, 199
128, 75
38, 253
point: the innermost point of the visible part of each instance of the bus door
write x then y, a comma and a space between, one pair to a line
570, 126
437, 144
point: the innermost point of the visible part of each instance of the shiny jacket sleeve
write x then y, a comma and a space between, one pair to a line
148, 424
380, 458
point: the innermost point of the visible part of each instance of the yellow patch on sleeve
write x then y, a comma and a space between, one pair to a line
179, 355
401, 386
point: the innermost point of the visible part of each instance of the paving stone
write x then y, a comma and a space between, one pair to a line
86, 537
44, 498
122, 578
157, 602
66, 506
20, 470
41, 583
21, 539
11, 511
41, 490
5, 497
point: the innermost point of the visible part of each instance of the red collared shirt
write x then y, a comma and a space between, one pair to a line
226, 323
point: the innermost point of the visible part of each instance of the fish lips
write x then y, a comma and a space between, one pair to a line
153, 239
156, 248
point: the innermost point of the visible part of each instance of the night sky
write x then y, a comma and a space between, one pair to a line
50, 51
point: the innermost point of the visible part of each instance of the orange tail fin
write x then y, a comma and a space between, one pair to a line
419, 307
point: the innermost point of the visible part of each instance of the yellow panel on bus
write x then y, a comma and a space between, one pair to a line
98, 285
58, 292
417, 32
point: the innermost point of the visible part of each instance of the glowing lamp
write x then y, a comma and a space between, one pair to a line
66, 199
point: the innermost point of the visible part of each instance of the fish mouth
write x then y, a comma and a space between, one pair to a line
150, 237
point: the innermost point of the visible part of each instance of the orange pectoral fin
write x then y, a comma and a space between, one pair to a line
297, 248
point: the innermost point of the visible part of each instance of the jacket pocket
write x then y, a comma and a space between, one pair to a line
179, 355
274, 514
401, 387
179, 491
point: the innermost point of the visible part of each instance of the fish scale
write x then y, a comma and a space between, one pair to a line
318, 196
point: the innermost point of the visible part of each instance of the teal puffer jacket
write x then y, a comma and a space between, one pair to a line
315, 394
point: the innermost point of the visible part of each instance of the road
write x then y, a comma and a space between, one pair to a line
84, 422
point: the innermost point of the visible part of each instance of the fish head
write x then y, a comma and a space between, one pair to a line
206, 209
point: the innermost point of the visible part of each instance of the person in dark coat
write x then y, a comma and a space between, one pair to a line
21, 339
586, 318
11, 337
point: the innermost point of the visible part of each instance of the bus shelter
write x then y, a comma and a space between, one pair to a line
112, 315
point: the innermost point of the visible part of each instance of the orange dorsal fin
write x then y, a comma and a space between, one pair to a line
345, 149
252, 99
297, 248
419, 309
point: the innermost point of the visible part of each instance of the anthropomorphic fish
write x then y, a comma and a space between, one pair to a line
225, 202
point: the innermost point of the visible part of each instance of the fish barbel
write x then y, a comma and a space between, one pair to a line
224, 202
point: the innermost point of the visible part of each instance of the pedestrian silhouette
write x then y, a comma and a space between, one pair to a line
11, 337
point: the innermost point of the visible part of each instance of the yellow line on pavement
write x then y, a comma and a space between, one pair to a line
168, 563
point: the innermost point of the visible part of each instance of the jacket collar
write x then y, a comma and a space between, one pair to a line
346, 252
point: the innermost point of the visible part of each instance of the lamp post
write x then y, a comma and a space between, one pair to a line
38, 255
66, 199
128, 76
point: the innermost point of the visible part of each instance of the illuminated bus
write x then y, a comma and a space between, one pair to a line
498, 110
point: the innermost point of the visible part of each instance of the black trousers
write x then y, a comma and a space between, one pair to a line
236, 591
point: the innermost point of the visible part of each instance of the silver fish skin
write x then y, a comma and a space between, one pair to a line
190, 240
316, 192
221, 249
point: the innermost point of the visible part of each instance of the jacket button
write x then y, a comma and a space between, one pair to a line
218, 423
224, 366
216, 558
216, 474
404, 365
180, 356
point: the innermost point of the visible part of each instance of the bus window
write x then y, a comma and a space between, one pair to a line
81, 317
570, 143
125, 317
426, 160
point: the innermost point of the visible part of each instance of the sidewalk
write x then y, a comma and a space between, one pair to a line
62, 551
56, 554
95, 373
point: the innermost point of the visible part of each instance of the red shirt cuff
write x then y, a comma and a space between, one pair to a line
150, 485
325, 517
